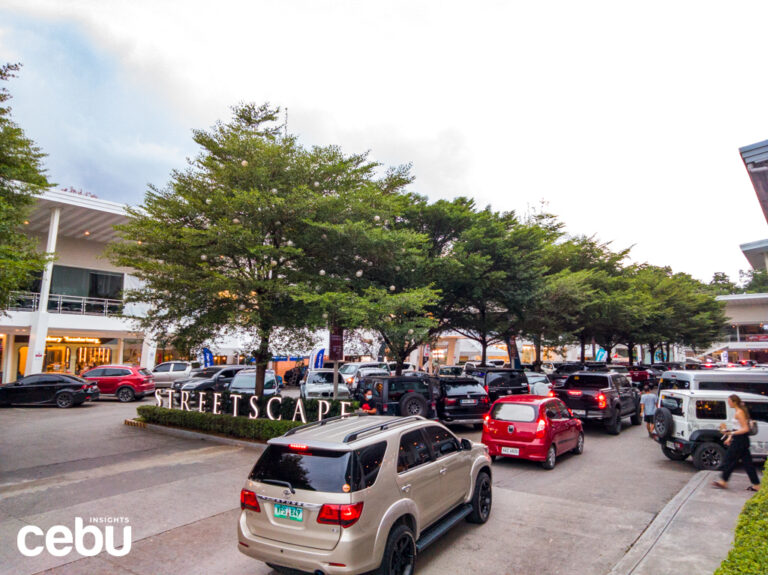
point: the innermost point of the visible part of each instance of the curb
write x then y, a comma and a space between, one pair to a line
656, 528
186, 434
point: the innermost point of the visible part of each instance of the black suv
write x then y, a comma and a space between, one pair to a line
402, 395
604, 396
499, 381
565, 369
462, 400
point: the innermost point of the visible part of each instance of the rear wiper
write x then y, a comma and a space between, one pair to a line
279, 482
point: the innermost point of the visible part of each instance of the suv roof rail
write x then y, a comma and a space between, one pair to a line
380, 427
316, 424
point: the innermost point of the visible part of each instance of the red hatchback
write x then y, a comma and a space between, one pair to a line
532, 427
125, 382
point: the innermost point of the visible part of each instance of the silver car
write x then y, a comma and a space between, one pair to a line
167, 372
319, 385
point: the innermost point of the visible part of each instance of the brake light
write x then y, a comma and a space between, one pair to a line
298, 447
344, 515
85, 386
350, 379
541, 427
450, 401
574, 392
485, 387
601, 401
484, 399
551, 394
248, 500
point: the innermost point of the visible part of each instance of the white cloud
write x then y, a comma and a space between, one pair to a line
627, 118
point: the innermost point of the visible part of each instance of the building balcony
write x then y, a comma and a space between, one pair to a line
66, 304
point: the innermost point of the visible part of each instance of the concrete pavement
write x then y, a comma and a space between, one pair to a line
181, 498
693, 533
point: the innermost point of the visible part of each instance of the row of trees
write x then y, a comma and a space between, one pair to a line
261, 235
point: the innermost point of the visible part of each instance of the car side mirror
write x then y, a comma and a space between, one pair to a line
466, 445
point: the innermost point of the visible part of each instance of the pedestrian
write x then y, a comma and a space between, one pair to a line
737, 442
648, 402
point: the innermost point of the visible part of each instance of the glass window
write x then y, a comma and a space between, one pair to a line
674, 383
506, 378
116, 372
564, 411
370, 459
320, 377
95, 373
179, 367
592, 381
105, 285
443, 441
513, 412
622, 381
707, 409
413, 451
745, 386
462, 387
32, 380
305, 468
163, 368
552, 411
144, 371
454, 371
757, 411
673, 404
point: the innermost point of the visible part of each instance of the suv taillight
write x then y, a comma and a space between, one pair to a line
601, 401
450, 401
485, 387
484, 399
344, 515
248, 500
541, 427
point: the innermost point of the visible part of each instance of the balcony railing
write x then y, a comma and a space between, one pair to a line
76, 305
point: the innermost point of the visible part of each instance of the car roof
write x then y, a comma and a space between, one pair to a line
331, 433
716, 394
529, 399
749, 375
116, 365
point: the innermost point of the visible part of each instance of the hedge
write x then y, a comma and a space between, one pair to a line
749, 555
240, 427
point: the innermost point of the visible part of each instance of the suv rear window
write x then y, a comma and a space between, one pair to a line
596, 381
667, 383
505, 378
145, 371
462, 387
513, 412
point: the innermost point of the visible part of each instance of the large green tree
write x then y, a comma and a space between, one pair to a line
255, 230
22, 177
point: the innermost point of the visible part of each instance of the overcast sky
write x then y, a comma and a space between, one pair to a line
625, 118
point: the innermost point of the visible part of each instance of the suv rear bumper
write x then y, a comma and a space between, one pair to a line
677, 445
307, 558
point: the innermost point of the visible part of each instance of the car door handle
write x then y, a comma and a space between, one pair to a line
405, 488
443, 470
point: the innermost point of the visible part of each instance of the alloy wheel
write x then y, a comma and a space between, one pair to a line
710, 457
486, 497
125, 395
403, 556
64, 400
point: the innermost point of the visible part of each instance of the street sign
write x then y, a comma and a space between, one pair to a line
336, 351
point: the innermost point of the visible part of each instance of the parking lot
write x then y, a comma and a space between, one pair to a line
181, 498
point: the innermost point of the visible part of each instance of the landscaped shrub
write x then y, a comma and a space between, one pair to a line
240, 427
749, 555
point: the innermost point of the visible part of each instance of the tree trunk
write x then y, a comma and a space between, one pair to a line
631, 352
641, 358
583, 342
400, 361
669, 351
262, 359
537, 347
608, 349
651, 352
510, 350
484, 357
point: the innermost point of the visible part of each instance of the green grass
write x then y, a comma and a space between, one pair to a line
749, 555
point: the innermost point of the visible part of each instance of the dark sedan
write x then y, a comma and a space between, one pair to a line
462, 400
60, 389
214, 378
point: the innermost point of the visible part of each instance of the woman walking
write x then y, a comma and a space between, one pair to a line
737, 442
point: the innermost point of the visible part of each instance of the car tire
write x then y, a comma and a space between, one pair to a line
125, 394
635, 418
413, 404
399, 553
663, 424
64, 400
672, 454
709, 456
579, 449
613, 426
551, 460
482, 499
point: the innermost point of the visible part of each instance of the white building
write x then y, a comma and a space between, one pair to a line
72, 315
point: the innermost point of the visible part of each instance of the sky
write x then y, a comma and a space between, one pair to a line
625, 118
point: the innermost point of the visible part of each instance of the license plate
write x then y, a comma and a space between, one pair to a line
468, 401
670, 445
289, 512
579, 411
510, 451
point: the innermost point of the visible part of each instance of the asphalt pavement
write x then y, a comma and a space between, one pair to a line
181, 498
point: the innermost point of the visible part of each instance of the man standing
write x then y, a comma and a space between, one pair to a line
648, 400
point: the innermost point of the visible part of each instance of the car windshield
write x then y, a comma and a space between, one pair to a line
372, 371
595, 381
321, 377
451, 371
462, 387
619, 369
673, 383
246, 381
305, 468
348, 368
205, 373
513, 412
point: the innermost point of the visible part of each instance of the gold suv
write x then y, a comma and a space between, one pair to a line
360, 493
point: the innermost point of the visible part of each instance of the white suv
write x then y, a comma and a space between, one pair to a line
688, 424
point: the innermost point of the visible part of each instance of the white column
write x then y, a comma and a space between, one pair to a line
39, 328
8, 351
148, 350
120, 345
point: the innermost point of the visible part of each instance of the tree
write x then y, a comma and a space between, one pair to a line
754, 281
257, 234
721, 284
22, 177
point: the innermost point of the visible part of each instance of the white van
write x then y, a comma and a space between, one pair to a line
748, 381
